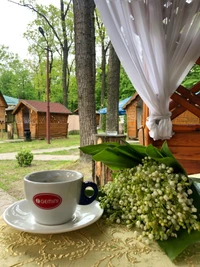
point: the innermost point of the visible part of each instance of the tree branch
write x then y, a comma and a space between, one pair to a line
31, 7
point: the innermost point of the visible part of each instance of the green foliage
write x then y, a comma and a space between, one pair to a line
71, 140
174, 246
24, 158
126, 88
59, 36
118, 157
74, 132
15, 76
193, 77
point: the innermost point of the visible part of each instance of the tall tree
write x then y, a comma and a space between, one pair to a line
112, 117
104, 41
15, 75
85, 69
59, 23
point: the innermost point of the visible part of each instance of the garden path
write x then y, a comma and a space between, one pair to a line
38, 154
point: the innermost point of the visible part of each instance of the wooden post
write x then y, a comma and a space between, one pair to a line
2, 123
10, 131
101, 173
147, 139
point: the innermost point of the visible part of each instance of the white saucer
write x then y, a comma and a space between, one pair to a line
19, 217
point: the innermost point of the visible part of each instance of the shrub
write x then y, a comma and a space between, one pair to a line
74, 132
24, 158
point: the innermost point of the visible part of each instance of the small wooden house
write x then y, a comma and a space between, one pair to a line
3, 106
30, 115
10, 118
134, 115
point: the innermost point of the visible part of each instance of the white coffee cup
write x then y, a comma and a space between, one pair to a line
53, 195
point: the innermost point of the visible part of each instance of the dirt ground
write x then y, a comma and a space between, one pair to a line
17, 188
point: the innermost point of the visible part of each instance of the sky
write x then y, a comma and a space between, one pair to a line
13, 23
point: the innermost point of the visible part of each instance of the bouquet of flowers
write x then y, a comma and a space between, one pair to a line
151, 191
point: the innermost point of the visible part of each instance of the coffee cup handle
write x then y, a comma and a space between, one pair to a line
86, 200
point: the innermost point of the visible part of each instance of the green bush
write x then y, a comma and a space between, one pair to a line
74, 132
24, 158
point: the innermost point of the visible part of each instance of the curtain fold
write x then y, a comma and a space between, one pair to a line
157, 42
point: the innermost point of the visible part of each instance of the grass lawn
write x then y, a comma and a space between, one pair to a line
11, 174
71, 151
71, 140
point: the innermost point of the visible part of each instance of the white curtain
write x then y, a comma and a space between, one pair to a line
157, 42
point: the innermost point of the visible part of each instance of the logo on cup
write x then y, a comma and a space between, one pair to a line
47, 201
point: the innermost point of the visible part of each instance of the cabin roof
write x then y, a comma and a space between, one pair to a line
130, 100
42, 107
11, 101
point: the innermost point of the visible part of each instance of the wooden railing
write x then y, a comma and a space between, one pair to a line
186, 99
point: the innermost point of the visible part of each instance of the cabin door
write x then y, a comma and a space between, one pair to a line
26, 116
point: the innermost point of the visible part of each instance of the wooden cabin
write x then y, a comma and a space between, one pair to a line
134, 109
185, 143
3, 106
30, 115
10, 118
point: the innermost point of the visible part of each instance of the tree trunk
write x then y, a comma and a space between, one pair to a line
65, 49
85, 71
104, 47
103, 74
112, 118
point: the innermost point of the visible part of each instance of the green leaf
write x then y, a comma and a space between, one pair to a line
176, 165
128, 152
195, 187
136, 149
94, 149
164, 155
128, 156
115, 160
165, 150
153, 152
174, 246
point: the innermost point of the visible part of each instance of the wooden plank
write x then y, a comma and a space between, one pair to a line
198, 61
147, 139
177, 112
186, 153
195, 88
191, 166
173, 104
189, 95
186, 104
181, 139
186, 128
